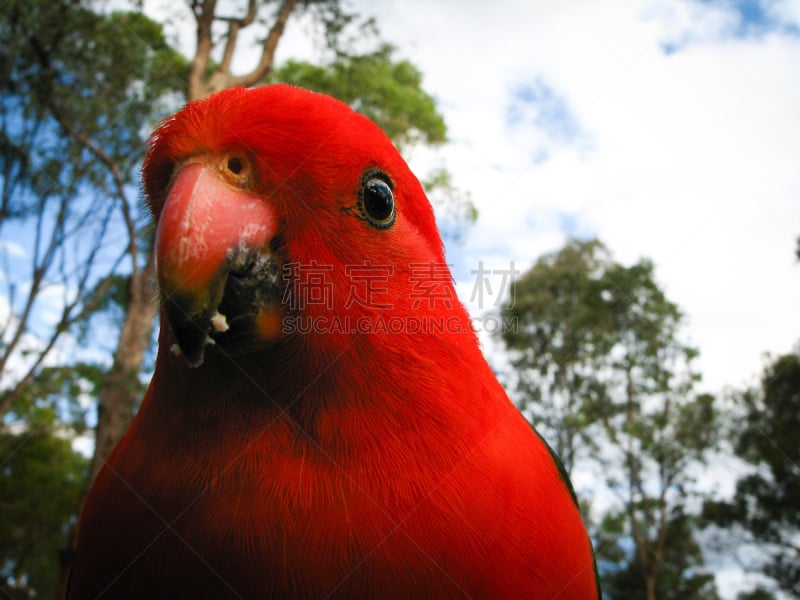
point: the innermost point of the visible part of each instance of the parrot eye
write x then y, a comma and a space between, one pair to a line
235, 165
376, 201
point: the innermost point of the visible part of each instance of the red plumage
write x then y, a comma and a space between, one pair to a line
371, 463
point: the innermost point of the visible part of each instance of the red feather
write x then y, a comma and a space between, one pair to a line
335, 464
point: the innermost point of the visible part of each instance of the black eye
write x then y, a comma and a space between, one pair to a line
376, 202
235, 165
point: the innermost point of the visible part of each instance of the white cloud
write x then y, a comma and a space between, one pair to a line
694, 168
84, 445
12, 249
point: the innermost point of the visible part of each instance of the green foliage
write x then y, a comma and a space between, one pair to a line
455, 211
80, 91
600, 368
41, 477
657, 431
680, 576
387, 91
101, 75
40, 484
53, 398
769, 435
564, 337
766, 501
757, 594
342, 30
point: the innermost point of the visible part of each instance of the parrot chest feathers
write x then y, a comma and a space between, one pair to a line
277, 513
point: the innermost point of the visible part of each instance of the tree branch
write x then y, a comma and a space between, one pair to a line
204, 16
661, 535
268, 50
113, 168
10, 395
234, 25
67, 320
41, 261
37, 277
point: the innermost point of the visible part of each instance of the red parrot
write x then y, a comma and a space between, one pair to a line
321, 422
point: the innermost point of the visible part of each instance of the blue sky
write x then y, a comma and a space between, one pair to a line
756, 17
536, 105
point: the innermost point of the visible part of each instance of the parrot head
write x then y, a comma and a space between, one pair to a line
254, 189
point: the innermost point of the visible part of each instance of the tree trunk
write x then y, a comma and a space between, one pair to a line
120, 390
650, 586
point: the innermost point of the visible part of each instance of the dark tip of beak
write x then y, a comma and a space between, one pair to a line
249, 283
191, 333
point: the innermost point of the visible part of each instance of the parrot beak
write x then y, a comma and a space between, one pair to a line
218, 279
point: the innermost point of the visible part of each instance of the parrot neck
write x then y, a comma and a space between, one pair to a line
312, 387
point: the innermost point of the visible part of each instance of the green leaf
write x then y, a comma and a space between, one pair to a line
387, 91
